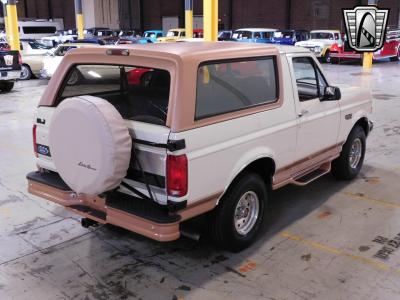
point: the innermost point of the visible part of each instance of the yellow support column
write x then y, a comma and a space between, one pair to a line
367, 61
210, 20
367, 56
79, 18
189, 18
12, 18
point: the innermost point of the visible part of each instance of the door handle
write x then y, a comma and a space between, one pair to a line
302, 113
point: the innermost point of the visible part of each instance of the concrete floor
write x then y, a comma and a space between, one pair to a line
319, 243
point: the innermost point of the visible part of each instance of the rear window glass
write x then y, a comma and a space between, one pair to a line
231, 86
138, 93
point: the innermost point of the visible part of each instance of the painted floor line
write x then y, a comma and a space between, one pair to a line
372, 200
325, 248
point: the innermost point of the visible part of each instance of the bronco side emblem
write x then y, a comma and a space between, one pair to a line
365, 27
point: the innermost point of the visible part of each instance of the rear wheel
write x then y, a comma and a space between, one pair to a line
236, 221
26, 72
349, 163
6, 86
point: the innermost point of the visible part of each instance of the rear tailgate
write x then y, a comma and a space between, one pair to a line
9, 61
149, 142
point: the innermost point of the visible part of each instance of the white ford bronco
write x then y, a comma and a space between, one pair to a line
149, 136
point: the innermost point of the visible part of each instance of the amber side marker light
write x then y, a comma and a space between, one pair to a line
121, 52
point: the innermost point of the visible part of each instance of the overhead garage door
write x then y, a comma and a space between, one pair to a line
169, 23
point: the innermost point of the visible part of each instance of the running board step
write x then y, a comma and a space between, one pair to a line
307, 178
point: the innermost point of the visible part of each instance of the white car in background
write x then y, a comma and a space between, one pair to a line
61, 36
32, 54
51, 61
320, 43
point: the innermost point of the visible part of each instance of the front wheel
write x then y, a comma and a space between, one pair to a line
349, 163
327, 56
236, 222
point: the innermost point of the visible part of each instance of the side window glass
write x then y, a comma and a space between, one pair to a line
257, 35
235, 85
309, 80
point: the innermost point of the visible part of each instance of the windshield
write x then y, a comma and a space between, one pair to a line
138, 93
62, 50
321, 36
149, 34
37, 45
172, 33
284, 34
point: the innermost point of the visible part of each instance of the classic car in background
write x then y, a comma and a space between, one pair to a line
254, 35
32, 53
128, 41
61, 36
129, 32
198, 33
153, 35
290, 37
173, 35
390, 49
225, 35
179, 34
320, 43
51, 62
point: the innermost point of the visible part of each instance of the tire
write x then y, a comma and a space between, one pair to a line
397, 57
74, 78
349, 163
225, 232
6, 86
327, 56
26, 72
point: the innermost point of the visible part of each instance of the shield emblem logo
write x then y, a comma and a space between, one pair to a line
9, 60
366, 27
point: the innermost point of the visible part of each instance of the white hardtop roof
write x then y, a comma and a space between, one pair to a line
256, 29
327, 30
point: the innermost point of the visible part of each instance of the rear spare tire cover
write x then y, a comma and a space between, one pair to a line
90, 144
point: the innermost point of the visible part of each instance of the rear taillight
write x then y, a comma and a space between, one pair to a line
34, 140
177, 175
19, 58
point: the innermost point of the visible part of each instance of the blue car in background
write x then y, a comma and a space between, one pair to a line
290, 37
153, 35
254, 35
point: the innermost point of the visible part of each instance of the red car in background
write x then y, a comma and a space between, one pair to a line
138, 76
390, 49
198, 33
